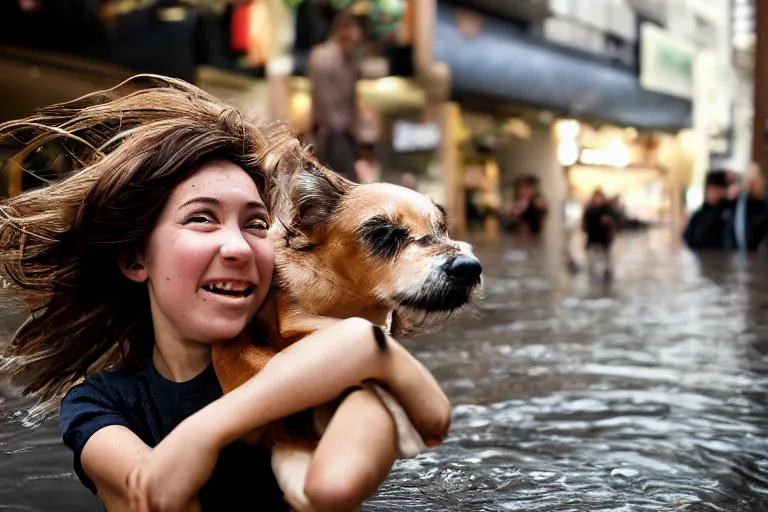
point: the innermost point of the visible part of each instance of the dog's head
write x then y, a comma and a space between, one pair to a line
386, 247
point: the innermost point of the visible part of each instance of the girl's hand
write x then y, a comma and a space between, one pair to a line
171, 476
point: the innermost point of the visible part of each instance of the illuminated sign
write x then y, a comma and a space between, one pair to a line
409, 136
614, 157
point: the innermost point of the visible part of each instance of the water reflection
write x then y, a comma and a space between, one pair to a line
648, 393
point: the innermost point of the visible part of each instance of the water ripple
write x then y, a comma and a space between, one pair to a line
648, 394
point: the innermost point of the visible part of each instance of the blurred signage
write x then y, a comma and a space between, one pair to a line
613, 157
408, 136
666, 62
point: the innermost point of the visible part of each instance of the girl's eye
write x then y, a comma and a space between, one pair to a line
199, 218
258, 224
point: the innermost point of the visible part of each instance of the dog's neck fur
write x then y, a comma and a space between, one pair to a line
318, 294
308, 299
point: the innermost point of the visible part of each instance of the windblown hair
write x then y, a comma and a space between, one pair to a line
60, 246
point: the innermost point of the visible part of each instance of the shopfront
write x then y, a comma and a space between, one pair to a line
525, 86
643, 171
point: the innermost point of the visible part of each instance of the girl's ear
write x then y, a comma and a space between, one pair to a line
132, 267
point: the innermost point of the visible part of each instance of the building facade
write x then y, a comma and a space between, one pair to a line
641, 96
468, 96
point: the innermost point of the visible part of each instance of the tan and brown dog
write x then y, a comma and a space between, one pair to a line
375, 251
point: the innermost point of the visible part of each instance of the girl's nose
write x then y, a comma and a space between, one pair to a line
235, 248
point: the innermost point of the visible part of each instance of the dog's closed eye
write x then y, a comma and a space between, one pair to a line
383, 237
426, 241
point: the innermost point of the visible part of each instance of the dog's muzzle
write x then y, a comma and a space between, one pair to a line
450, 286
464, 270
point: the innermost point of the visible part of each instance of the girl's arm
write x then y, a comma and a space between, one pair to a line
317, 370
108, 458
311, 372
354, 456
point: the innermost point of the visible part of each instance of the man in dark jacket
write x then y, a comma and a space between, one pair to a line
599, 223
711, 226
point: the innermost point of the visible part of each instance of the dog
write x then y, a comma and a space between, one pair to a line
376, 251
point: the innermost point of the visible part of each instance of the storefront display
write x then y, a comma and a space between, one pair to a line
624, 164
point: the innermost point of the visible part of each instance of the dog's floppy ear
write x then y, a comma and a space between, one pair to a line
316, 194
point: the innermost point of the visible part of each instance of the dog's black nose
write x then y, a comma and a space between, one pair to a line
464, 269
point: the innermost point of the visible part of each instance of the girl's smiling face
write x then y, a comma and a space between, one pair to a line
208, 263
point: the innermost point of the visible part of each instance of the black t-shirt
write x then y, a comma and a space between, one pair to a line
151, 406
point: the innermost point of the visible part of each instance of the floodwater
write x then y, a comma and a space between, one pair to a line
646, 393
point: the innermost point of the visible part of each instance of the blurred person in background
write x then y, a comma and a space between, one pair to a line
599, 223
333, 69
621, 218
711, 226
367, 168
529, 209
408, 180
751, 214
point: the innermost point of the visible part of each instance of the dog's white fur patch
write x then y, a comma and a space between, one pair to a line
290, 464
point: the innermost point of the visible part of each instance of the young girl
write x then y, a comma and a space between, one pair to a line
136, 264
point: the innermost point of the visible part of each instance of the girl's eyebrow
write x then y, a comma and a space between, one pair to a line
213, 201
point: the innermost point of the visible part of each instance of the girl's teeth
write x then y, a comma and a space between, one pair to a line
229, 287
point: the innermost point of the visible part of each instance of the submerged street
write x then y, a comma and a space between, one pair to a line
646, 393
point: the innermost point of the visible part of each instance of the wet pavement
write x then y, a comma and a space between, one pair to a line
646, 393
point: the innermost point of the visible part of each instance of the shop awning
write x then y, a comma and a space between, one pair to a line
502, 63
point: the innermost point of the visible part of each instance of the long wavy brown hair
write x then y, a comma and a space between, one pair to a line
60, 245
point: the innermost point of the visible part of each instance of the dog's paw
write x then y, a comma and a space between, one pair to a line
290, 464
409, 441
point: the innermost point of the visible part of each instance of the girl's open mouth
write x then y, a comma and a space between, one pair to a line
228, 291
